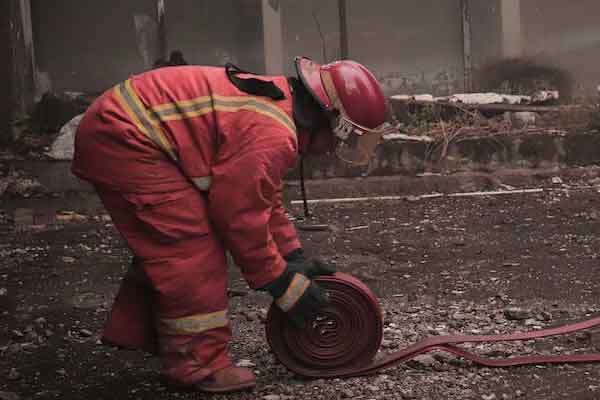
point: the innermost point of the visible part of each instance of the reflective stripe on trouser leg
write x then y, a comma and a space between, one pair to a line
193, 324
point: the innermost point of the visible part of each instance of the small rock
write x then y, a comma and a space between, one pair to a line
489, 396
347, 394
425, 361
521, 119
511, 264
68, 260
252, 316
557, 180
246, 364
519, 393
13, 375
460, 316
40, 321
3, 291
237, 293
61, 372
262, 313
517, 314
86, 332
546, 316
9, 396
272, 397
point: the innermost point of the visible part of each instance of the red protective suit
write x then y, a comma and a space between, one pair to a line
189, 166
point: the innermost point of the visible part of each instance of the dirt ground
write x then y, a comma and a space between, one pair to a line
444, 265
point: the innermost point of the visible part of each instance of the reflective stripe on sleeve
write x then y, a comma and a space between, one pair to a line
293, 293
200, 106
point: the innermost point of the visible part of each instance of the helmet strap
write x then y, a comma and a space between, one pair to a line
308, 115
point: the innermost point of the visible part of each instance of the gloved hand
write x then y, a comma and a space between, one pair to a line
295, 292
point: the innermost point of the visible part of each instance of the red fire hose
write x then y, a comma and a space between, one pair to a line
344, 339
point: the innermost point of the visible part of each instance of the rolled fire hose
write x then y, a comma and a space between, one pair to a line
343, 340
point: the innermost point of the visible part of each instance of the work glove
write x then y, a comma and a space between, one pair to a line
295, 291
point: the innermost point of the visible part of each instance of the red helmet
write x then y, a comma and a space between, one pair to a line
347, 87
350, 89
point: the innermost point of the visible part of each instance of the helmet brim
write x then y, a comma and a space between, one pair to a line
309, 73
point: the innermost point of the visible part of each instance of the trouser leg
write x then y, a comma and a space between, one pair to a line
131, 323
184, 262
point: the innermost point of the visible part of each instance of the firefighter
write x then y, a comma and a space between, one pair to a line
189, 162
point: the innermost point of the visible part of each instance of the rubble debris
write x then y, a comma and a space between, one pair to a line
482, 98
63, 146
70, 216
19, 184
13, 375
517, 314
424, 361
9, 396
271, 397
237, 293
522, 119
88, 300
525, 75
55, 109
486, 98
358, 228
313, 227
86, 333
405, 137
545, 96
245, 364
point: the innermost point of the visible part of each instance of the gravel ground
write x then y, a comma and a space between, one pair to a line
447, 265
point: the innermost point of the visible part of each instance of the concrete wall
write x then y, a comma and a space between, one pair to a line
215, 32
301, 37
87, 45
566, 34
90, 45
486, 31
413, 45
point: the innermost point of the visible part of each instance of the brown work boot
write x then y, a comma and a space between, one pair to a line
226, 380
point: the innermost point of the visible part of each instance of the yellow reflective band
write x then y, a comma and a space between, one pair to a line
202, 182
293, 293
258, 105
142, 119
203, 105
184, 109
194, 324
181, 104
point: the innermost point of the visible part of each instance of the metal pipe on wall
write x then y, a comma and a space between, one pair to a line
467, 45
342, 6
